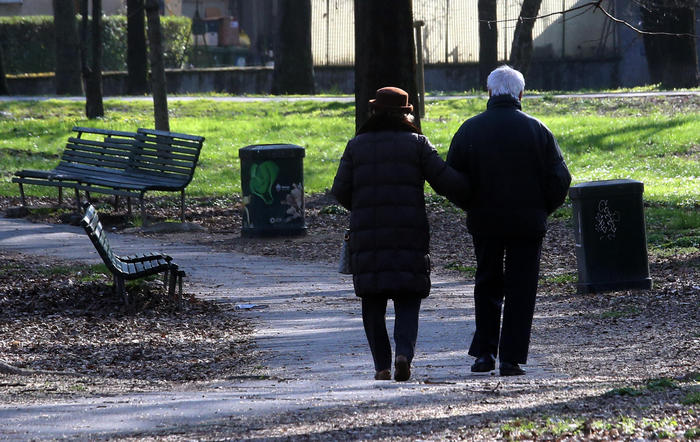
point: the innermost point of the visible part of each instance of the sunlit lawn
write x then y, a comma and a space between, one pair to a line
655, 141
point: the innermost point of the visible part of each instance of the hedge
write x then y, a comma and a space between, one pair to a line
28, 43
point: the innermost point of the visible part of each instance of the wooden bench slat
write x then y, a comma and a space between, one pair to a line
108, 132
163, 154
166, 134
163, 147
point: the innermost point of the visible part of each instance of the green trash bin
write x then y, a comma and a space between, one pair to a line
272, 184
609, 229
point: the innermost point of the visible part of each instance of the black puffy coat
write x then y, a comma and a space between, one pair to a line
380, 179
515, 169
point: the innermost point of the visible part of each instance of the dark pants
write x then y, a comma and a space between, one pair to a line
516, 287
405, 328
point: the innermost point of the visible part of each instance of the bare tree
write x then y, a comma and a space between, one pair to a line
136, 58
92, 72
294, 67
4, 90
672, 59
521, 51
68, 80
158, 82
384, 52
488, 39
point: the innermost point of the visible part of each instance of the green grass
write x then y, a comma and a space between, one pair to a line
651, 140
82, 272
692, 398
562, 278
624, 313
692, 434
467, 271
554, 428
653, 385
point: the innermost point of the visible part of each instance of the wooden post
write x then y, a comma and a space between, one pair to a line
420, 65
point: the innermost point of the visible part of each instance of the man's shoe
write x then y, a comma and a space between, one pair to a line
383, 375
402, 369
483, 364
510, 369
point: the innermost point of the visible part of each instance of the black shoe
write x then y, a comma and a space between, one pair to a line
510, 369
402, 369
484, 363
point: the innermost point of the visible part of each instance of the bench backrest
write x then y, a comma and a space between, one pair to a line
165, 155
98, 149
93, 227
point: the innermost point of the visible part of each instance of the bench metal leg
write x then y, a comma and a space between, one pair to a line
172, 282
144, 219
180, 274
60, 195
182, 206
77, 200
21, 194
128, 206
120, 288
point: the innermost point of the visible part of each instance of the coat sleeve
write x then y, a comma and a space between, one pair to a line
342, 183
444, 179
557, 177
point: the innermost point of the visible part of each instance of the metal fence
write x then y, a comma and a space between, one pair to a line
451, 31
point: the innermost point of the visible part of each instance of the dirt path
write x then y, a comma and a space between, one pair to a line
315, 374
307, 328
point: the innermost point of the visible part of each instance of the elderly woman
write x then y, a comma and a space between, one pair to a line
381, 180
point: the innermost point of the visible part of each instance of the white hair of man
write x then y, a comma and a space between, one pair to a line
505, 80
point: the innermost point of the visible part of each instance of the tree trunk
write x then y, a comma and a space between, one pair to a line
521, 51
68, 79
158, 84
385, 52
4, 90
488, 39
136, 58
294, 67
672, 60
92, 71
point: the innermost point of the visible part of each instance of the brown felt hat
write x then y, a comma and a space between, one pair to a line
391, 98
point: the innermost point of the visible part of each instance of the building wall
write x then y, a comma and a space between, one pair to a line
457, 78
44, 7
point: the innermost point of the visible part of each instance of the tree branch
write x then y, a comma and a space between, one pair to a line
595, 5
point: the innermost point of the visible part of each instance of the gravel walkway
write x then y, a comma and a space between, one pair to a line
308, 329
602, 367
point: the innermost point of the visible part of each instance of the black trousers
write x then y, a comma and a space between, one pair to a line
511, 289
405, 328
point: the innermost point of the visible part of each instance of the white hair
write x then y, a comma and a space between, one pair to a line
505, 80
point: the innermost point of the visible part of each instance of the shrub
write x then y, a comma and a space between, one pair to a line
28, 43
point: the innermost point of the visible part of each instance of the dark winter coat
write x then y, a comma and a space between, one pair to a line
380, 180
515, 169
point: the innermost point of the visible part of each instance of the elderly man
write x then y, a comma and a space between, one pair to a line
518, 177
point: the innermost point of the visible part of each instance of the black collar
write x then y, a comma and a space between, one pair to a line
501, 101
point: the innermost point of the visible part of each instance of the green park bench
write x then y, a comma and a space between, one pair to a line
127, 268
127, 164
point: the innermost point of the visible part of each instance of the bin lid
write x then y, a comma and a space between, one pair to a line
604, 188
271, 151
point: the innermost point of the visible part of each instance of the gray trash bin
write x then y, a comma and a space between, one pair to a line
272, 184
611, 248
